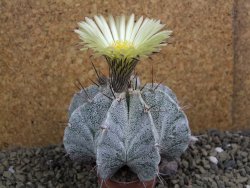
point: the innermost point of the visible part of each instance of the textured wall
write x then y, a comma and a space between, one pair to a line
39, 62
241, 103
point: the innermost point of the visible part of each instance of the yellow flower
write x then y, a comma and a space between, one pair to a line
119, 38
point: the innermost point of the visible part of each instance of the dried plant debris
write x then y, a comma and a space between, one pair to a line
51, 167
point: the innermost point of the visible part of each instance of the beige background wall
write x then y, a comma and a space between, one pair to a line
241, 102
39, 62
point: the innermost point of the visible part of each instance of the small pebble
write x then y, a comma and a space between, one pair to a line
20, 177
176, 186
219, 149
213, 159
1, 169
7, 174
220, 184
230, 164
11, 169
193, 139
223, 156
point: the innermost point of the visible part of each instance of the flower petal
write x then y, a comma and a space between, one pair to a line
104, 30
122, 28
136, 28
129, 27
95, 30
107, 29
113, 28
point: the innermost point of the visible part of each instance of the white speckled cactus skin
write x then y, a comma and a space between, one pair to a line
136, 129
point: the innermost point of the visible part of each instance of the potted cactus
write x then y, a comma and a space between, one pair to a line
117, 121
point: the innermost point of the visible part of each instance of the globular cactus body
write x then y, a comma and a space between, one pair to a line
135, 128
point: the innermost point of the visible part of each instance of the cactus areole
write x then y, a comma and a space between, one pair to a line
117, 121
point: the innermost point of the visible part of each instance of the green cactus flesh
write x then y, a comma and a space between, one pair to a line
136, 129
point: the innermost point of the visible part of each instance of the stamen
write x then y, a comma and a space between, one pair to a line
122, 45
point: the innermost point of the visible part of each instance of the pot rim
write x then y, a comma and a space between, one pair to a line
127, 182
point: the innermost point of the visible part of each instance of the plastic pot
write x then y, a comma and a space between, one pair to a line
133, 184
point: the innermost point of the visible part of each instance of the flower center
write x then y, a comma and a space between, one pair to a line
122, 45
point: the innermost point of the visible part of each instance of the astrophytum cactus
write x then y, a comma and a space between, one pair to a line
117, 121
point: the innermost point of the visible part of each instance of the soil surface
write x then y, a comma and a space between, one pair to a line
216, 160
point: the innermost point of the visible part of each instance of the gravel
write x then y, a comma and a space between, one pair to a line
51, 167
